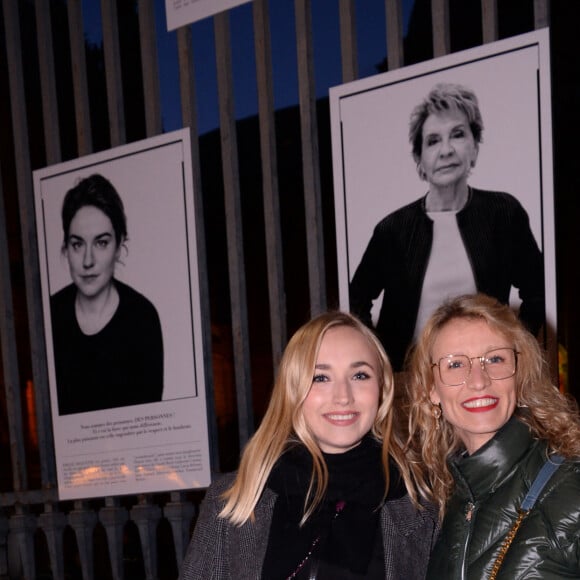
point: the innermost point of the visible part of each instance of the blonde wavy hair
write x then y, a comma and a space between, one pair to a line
550, 415
284, 425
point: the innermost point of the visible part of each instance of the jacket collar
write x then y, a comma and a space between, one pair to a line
482, 472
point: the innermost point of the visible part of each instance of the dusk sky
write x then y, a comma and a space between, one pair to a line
370, 20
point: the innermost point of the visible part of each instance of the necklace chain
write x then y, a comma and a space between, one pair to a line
337, 510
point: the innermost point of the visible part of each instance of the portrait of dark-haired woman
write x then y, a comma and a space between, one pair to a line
107, 339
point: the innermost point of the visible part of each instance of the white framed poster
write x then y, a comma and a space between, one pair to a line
184, 12
380, 186
118, 262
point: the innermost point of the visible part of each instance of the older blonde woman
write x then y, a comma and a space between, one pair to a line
323, 489
488, 427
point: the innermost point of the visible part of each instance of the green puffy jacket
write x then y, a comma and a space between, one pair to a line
490, 486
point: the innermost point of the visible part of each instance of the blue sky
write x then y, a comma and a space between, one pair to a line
370, 19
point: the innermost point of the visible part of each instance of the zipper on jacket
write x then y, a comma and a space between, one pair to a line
470, 512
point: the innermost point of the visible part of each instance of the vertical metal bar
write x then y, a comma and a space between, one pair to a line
395, 53
541, 13
188, 93
22, 526
83, 520
348, 50
53, 523
237, 274
4, 529
10, 359
47, 82
441, 32
112, 51
150, 67
79, 74
310, 158
30, 249
189, 115
146, 516
272, 224
489, 20
179, 512
114, 517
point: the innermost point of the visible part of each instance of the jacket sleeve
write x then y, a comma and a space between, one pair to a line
504, 253
528, 271
205, 558
409, 536
368, 280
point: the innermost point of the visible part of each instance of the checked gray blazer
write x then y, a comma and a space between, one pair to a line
221, 551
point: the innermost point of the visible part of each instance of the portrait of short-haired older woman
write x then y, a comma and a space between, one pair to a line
454, 239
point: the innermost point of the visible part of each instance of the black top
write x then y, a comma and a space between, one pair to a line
501, 248
342, 539
120, 365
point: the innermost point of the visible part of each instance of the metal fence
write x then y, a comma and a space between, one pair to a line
145, 536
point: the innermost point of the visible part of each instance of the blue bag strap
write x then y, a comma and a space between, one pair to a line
548, 469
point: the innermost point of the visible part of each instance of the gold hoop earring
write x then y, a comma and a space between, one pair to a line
436, 412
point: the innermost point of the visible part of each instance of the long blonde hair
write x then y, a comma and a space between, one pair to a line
283, 423
550, 415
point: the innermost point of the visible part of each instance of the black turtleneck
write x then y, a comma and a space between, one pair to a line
342, 537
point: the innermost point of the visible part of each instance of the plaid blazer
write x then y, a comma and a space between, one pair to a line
221, 551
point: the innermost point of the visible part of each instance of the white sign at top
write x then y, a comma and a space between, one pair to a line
183, 12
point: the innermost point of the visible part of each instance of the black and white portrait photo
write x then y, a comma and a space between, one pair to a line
106, 335
443, 186
116, 236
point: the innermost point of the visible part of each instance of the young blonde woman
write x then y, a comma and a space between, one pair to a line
323, 489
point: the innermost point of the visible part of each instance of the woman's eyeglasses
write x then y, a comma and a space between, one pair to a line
498, 364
